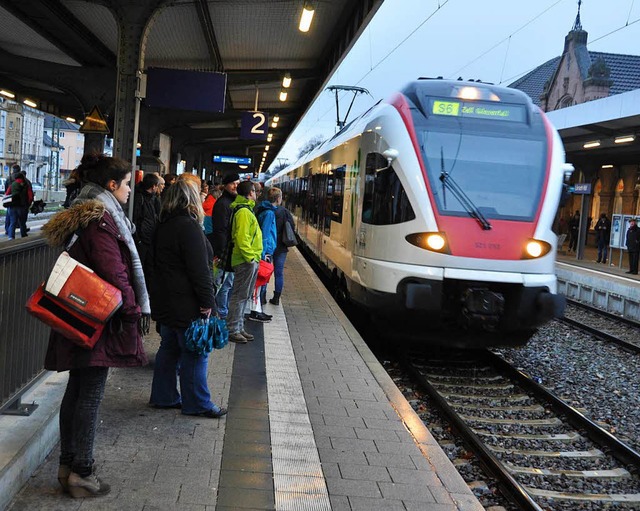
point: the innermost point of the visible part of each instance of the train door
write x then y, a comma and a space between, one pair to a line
369, 147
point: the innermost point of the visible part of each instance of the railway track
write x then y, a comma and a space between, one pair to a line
544, 453
603, 325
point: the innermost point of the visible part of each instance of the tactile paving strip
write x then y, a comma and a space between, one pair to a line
297, 473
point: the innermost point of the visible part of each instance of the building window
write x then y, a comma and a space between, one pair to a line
10, 125
10, 148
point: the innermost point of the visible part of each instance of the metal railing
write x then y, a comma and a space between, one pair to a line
23, 339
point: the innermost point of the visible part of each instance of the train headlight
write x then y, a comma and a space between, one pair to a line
434, 241
535, 248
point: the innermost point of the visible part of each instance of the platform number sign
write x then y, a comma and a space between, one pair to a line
254, 125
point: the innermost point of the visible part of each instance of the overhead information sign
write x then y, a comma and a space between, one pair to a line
186, 90
254, 126
479, 110
238, 160
94, 122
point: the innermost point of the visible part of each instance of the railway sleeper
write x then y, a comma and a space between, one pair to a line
623, 498
592, 453
471, 406
489, 386
614, 473
551, 421
476, 397
560, 437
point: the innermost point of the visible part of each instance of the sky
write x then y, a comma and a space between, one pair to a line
495, 41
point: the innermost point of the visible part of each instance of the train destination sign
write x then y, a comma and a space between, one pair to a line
479, 110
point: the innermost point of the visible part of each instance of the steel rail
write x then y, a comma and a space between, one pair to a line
509, 485
621, 451
601, 335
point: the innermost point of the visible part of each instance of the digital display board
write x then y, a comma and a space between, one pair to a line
238, 160
478, 110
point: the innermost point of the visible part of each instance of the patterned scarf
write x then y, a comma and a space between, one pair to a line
126, 228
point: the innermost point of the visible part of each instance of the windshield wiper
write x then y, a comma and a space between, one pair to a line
469, 206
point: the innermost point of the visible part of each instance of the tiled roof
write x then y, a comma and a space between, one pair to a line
61, 124
534, 81
48, 141
625, 70
625, 74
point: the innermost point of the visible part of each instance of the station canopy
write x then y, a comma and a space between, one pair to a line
64, 55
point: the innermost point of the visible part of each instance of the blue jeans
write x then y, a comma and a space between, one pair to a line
16, 216
79, 417
222, 297
602, 251
278, 272
172, 358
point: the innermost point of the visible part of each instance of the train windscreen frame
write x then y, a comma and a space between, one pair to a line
499, 165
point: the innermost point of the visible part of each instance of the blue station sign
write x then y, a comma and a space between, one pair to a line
582, 188
238, 160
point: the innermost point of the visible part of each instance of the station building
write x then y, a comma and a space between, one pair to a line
593, 99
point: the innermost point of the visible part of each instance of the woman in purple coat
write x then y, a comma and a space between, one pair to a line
97, 233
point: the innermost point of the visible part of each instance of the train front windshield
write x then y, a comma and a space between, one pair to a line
498, 165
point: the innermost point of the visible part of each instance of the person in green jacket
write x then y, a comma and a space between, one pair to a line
247, 250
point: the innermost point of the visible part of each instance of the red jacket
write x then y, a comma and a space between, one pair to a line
101, 247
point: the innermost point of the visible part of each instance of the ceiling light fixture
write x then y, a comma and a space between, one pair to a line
607, 166
276, 118
286, 81
30, 103
283, 95
274, 124
269, 137
624, 139
592, 144
7, 94
70, 119
306, 18
266, 148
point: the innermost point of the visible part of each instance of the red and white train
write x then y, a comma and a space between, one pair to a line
433, 210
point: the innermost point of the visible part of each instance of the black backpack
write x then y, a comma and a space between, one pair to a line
228, 250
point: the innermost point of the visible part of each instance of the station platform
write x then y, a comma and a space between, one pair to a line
606, 286
314, 423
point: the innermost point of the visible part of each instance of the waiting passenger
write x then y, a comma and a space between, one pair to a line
603, 230
247, 250
633, 246
181, 291
105, 245
220, 216
266, 214
280, 254
145, 217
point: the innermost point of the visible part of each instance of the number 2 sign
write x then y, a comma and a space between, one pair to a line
254, 125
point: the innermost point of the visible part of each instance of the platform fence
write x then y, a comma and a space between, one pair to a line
23, 339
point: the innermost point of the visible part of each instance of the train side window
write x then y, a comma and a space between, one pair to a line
338, 193
385, 201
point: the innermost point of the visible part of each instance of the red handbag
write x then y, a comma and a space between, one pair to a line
265, 269
75, 302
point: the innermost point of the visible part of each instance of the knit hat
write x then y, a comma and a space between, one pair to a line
230, 178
